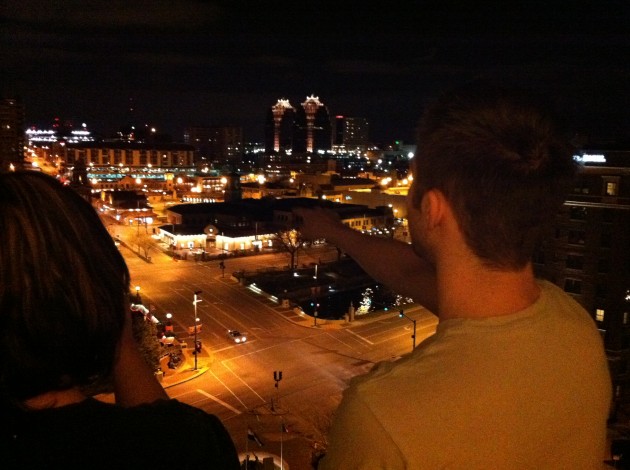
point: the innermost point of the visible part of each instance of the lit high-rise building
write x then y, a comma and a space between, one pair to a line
279, 128
223, 144
313, 130
306, 129
11, 134
587, 253
350, 134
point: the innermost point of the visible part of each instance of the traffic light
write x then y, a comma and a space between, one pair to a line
198, 346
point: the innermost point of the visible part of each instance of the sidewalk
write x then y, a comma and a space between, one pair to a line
185, 371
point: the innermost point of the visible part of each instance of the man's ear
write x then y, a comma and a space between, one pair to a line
434, 207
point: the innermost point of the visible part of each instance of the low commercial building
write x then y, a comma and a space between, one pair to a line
253, 224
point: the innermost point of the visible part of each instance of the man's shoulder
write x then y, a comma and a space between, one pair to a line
401, 375
563, 307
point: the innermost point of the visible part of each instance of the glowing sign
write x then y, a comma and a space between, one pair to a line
590, 158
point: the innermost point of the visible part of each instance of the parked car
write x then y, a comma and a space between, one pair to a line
236, 336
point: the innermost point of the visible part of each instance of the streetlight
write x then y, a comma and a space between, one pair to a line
138, 294
195, 302
401, 314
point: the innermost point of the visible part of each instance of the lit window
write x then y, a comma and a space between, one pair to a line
626, 317
599, 314
611, 188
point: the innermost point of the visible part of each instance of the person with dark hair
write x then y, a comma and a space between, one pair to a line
65, 324
515, 375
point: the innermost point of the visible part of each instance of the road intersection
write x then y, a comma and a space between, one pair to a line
236, 381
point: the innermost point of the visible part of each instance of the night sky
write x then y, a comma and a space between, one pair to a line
198, 63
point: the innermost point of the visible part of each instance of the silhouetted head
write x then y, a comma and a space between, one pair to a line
63, 288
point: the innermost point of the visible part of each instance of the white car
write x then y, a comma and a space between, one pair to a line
236, 336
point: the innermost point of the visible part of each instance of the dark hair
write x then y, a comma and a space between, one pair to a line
63, 288
500, 158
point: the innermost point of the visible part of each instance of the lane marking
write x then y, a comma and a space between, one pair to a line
219, 401
359, 336
240, 379
228, 389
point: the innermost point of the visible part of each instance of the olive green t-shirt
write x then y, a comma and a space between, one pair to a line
529, 390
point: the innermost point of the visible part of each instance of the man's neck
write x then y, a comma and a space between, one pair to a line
480, 292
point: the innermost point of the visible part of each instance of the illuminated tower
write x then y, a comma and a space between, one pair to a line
279, 127
313, 131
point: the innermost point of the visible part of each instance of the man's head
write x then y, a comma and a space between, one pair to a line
502, 164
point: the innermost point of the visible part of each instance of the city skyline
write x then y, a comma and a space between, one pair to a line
195, 63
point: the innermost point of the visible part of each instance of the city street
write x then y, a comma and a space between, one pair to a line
239, 386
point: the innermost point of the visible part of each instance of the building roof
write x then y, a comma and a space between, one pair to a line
256, 208
178, 229
263, 209
132, 145
336, 180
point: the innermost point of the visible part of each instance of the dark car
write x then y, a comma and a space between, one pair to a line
236, 336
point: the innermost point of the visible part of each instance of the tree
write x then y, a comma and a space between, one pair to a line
291, 241
143, 241
145, 334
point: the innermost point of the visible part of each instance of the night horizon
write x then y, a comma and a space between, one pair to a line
209, 64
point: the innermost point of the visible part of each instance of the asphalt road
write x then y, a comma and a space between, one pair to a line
316, 362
